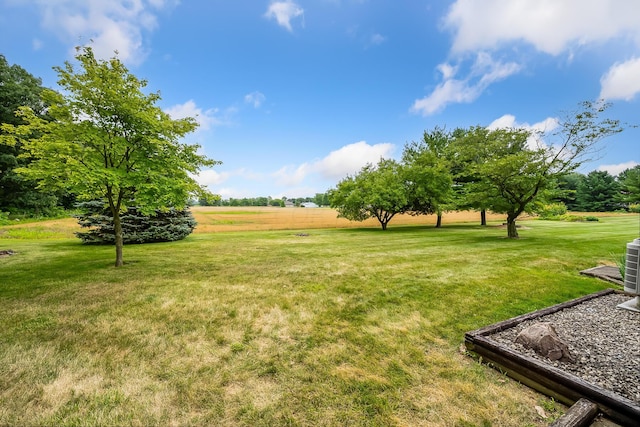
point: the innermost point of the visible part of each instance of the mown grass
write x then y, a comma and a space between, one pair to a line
334, 327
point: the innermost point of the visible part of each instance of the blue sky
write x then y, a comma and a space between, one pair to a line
294, 95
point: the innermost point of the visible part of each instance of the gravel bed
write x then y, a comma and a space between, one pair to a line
604, 339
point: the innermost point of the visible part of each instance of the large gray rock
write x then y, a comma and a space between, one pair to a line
543, 339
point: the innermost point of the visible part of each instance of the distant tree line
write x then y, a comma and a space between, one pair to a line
320, 199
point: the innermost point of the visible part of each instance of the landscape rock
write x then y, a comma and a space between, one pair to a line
543, 339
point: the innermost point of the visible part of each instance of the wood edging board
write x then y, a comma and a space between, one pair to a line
580, 414
561, 385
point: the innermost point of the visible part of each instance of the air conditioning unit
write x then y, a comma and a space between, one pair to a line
632, 275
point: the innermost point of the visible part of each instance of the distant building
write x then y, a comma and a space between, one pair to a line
308, 205
288, 204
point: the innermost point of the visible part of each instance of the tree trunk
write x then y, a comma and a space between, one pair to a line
483, 217
117, 229
512, 231
439, 220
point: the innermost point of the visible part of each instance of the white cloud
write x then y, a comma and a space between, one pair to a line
114, 25
255, 98
448, 71
508, 121
377, 39
37, 44
621, 81
620, 167
205, 118
351, 158
283, 12
211, 177
483, 73
291, 176
551, 26
337, 164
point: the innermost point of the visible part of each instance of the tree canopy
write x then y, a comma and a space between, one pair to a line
108, 140
417, 186
375, 192
519, 168
430, 172
630, 185
18, 194
598, 192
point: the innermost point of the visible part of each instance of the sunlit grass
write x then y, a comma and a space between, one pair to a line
325, 327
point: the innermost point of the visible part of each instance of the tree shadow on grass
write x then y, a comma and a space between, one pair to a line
476, 232
42, 266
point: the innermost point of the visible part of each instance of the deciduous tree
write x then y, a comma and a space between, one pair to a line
429, 172
376, 191
108, 140
18, 194
520, 167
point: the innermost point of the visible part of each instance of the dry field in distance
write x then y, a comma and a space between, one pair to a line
216, 219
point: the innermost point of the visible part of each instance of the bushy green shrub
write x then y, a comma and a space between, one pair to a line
174, 224
551, 210
4, 218
635, 208
573, 218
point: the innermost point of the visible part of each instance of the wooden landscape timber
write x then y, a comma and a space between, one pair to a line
581, 414
553, 382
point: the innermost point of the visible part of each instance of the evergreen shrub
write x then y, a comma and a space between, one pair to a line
174, 224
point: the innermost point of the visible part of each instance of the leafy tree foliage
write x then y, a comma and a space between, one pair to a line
630, 185
430, 171
109, 141
390, 188
18, 194
520, 168
161, 226
510, 176
321, 199
551, 210
208, 199
375, 192
598, 192
465, 151
568, 186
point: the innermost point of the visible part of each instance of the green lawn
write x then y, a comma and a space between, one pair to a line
340, 327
